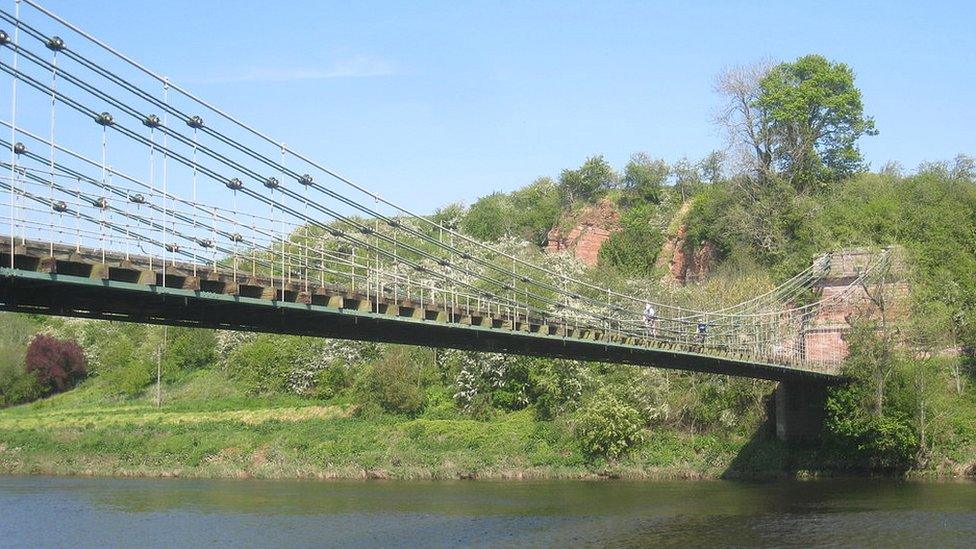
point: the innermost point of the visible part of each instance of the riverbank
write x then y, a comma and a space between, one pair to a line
325, 442
206, 429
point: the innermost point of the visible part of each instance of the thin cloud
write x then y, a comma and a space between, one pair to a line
357, 66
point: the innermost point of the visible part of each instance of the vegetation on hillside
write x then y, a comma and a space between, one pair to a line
791, 185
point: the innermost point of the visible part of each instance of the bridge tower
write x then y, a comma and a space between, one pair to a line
799, 405
799, 410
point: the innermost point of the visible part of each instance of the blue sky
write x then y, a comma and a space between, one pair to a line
433, 102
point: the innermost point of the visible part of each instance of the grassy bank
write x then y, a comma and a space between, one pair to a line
207, 429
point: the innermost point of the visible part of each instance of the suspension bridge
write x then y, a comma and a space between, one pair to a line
130, 198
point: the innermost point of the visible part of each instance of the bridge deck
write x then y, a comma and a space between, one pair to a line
69, 281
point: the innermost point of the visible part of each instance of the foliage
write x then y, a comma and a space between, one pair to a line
489, 218
607, 427
529, 213
449, 216
16, 385
816, 117
394, 383
485, 380
17, 332
588, 182
645, 177
634, 249
58, 364
124, 369
884, 443
866, 419
775, 224
536, 210
262, 364
189, 349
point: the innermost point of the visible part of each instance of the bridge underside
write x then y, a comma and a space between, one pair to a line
77, 296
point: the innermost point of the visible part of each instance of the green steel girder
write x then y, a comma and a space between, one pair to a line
65, 295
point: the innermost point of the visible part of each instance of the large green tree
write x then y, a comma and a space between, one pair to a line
798, 121
816, 116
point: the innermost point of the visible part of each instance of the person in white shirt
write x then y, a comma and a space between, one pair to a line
650, 319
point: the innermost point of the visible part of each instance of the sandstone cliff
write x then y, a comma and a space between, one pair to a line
590, 228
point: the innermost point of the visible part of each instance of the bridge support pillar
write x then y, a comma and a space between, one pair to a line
800, 410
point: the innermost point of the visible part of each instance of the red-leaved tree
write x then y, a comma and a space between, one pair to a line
59, 364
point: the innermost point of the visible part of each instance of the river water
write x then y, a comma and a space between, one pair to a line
105, 512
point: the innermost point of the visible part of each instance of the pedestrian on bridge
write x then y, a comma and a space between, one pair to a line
650, 320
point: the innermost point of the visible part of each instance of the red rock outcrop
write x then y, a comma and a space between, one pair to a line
591, 228
685, 262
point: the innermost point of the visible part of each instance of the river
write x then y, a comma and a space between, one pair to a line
100, 512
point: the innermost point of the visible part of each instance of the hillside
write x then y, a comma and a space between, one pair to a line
81, 395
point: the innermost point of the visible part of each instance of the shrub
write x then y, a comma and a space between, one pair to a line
18, 386
486, 380
123, 369
882, 443
263, 364
57, 364
634, 249
536, 208
393, 383
332, 380
190, 349
559, 386
608, 428
490, 218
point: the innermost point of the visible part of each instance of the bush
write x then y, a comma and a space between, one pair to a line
878, 443
558, 386
608, 428
490, 218
263, 364
332, 380
393, 383
634, 249
190, 349
537, 209
17, 386
124, 370
483, 381
57, 364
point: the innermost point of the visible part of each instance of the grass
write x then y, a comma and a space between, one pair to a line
207, 427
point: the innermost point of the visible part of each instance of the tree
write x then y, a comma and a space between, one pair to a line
645, 176
801, 120
687, 178
189, 349
634, 249
536, 209
588, 181
490, 218
58, 364
815, 116
962, 168
746, 123
394, 383
710, 167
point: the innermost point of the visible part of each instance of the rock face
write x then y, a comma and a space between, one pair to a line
685, 261
591, 228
